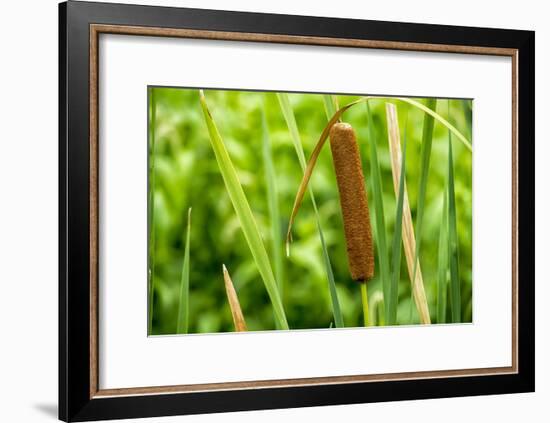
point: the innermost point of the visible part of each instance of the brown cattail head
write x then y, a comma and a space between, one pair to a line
353, 200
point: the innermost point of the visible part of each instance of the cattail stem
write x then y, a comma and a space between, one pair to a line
353, 201
365, 301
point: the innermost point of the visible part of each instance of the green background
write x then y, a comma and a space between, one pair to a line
186, 174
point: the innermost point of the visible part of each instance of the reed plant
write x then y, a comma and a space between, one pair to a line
352, 207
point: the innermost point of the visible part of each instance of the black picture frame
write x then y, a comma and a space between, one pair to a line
76, 399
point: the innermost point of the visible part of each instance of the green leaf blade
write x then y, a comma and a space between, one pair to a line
290, 120
425, 154
273, 205
443, 264
330, 104
379, 217
183, 309
453, 243
245, 216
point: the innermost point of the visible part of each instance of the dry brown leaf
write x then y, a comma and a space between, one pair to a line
236, 312
409, 242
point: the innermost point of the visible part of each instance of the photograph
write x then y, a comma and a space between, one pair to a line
300, 211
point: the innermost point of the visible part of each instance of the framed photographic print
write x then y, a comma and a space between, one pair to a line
267, 211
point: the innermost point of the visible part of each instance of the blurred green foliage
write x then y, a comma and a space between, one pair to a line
186, 175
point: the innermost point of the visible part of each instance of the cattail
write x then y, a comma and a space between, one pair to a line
353, 200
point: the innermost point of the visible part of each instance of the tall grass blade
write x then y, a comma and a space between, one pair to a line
233, 300
396, 244
290, 119
331, 105
273, 206
453, 243
336, 311
244, 214
183, 309
409, 243
151, 209
442, 264
425, 154
380, 220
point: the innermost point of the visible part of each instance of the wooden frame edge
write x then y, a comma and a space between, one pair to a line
96, 29
286, 383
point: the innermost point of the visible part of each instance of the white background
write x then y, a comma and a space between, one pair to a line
129, 63
28, 212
